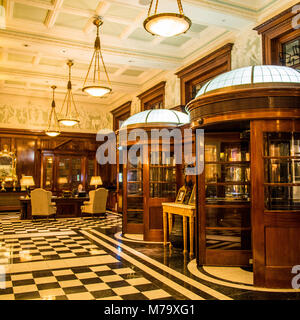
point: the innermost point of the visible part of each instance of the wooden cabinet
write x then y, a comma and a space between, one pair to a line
149, 178
10, 201
225, 190
66, 166
276, 201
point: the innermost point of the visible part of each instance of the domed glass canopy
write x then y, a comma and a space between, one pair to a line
157, 116
251, 75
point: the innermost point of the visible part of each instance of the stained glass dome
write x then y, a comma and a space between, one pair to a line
157, 116
251, 75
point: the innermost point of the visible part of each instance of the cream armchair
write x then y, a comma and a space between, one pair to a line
41, 204
97, 203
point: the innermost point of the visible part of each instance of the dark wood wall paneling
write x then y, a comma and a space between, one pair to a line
203, 70
121, 114
29, 147
152, 96
275, 32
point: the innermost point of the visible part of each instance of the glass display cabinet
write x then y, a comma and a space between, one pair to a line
282, 170
151, 176
65, 172
248, 196
227, 196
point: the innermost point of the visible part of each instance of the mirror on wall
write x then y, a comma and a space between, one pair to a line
8, 176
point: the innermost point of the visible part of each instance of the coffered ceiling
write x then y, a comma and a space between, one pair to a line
40, 35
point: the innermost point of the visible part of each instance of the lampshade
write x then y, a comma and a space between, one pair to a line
97, 91
62, 180
68, 122
96, 181
27, 181
166, 24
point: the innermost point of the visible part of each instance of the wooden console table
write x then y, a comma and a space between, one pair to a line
184, 210
10, 201
66, 207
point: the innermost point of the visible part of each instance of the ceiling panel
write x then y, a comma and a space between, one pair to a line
19, 57
71, 21
123, 11
15, 83
112, 28
51, 62
22, 11
141, 34
132, 73
82, 4
197, 27
176, 41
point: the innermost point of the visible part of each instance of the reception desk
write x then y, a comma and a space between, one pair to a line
66, 207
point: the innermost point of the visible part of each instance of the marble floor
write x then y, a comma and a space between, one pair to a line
89, 259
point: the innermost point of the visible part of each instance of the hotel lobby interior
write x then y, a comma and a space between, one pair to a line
94, 205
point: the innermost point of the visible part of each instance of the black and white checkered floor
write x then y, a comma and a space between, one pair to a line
52, 260
83, 259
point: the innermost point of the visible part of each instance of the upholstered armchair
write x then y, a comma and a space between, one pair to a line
41, 204
97, 202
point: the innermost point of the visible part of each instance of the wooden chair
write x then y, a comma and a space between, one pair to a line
97, 202
41, 204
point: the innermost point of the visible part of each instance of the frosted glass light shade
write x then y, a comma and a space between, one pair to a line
157, 116
96, 91
251, 75
52, 133
68, 122
167, 24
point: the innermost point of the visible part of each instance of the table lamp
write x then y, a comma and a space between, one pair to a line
62, 180
96, 181
27, 181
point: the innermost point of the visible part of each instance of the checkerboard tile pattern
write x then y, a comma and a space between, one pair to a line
97, 282
67, 265
42, 226
46, 247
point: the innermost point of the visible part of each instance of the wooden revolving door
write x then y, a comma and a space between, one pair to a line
224, 201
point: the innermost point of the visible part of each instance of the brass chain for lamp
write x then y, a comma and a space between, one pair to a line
180, 8
52, 112
69, 96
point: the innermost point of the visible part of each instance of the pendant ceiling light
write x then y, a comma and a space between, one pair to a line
53, 124
93, 86
69, 114
166, 24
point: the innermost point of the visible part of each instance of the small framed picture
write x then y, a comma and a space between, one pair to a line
192, 200
180, 195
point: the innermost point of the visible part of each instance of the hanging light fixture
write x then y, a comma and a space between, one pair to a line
69, 115
166, 24
53, 124
95, 88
